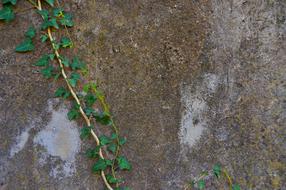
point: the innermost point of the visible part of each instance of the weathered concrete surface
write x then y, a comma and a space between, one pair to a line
190, 84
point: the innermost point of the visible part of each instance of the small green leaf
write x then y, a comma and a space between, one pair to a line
62, 92
217, 170
31, 32
112, 179
112, 147
52, 56
92, 153
44, 38
50, 23
102, 118
88, 111
44, 13
66, 20
104, 140
122, 188
122, 141
74, 78
113, 136
86, 88
192, 184
65, 61
7, 14
123, 163
43, 61
13, 2
77, 64
74, 112
57, 76
85, 132
201, 184
25, 46
47, 72
108, 162
89, 99
99, 165
235, 187
66, 42
58, 12
56, 46
50, 2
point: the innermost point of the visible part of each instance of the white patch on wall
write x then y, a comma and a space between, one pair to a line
193, 119
22, 139
60, 138
20, 143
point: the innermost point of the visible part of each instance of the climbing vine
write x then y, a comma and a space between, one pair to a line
217, 173
83, 95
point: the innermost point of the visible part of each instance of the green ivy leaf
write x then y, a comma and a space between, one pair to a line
50, 2
66, 20
122, 188
217, 170
192, 184
99, 165
58, 12
88, 111
25, 46
77, 64
201, 184
50, 23
85, 132
92, 153
123, 163
122, 141
57, 76
74, 78
112, 179
102, 118
66, 42
86, 88
108, 162
13, 2
47, 72
31, 32
7, 14
74, 112
235, 187
112, 147
44, 38
43, 61
56, 45
89, 99
52, 56
65, 61
62, 92
113, 136
104, 140
44, 13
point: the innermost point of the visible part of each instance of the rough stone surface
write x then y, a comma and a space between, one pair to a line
190, 83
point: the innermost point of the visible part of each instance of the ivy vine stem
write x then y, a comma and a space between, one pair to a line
63, 73
115, 129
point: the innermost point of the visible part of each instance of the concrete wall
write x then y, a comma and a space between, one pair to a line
190, 83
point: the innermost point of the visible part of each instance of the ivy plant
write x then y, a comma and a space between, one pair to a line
55, 66
216, 173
